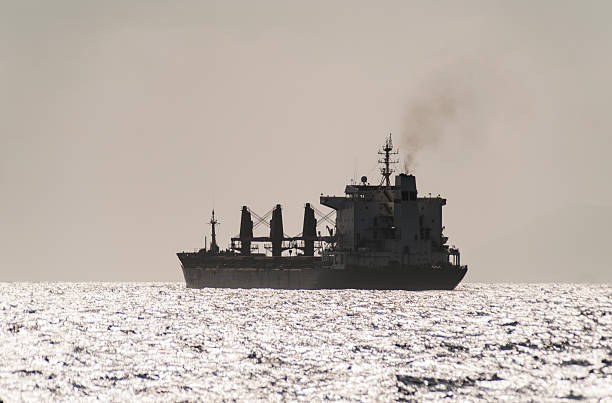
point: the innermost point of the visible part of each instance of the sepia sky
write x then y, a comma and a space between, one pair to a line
123, 123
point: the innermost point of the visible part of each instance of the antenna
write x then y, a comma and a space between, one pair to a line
386, 170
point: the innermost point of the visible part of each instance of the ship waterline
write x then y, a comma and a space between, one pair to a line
317, 278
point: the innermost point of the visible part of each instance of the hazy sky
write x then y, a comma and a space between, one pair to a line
123, 123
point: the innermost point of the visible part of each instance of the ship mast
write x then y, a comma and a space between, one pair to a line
386, 170
213, 244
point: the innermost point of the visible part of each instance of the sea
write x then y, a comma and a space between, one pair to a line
164, 342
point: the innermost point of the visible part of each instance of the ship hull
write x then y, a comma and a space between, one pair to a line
309, 274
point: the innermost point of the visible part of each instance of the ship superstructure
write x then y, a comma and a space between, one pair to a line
384, 237
385, 225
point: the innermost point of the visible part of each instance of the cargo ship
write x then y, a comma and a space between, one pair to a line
384, 237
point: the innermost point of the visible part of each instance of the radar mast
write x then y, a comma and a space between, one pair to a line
386, 170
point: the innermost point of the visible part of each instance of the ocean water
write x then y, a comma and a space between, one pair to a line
163, 342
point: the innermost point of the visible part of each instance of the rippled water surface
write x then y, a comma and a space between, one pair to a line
144, 341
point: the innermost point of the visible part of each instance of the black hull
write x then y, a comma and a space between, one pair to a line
314, 277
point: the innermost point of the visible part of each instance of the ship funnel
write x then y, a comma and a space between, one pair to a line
246, 231
276, 230
406, 211
309, 230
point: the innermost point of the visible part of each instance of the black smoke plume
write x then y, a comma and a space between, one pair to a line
434, 112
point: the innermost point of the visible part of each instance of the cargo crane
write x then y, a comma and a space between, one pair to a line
307, 241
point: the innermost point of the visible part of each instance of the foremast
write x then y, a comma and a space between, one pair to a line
214, 248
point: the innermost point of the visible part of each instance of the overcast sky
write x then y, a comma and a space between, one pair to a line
123, 123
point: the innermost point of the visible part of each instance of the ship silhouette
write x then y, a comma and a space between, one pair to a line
384, 237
